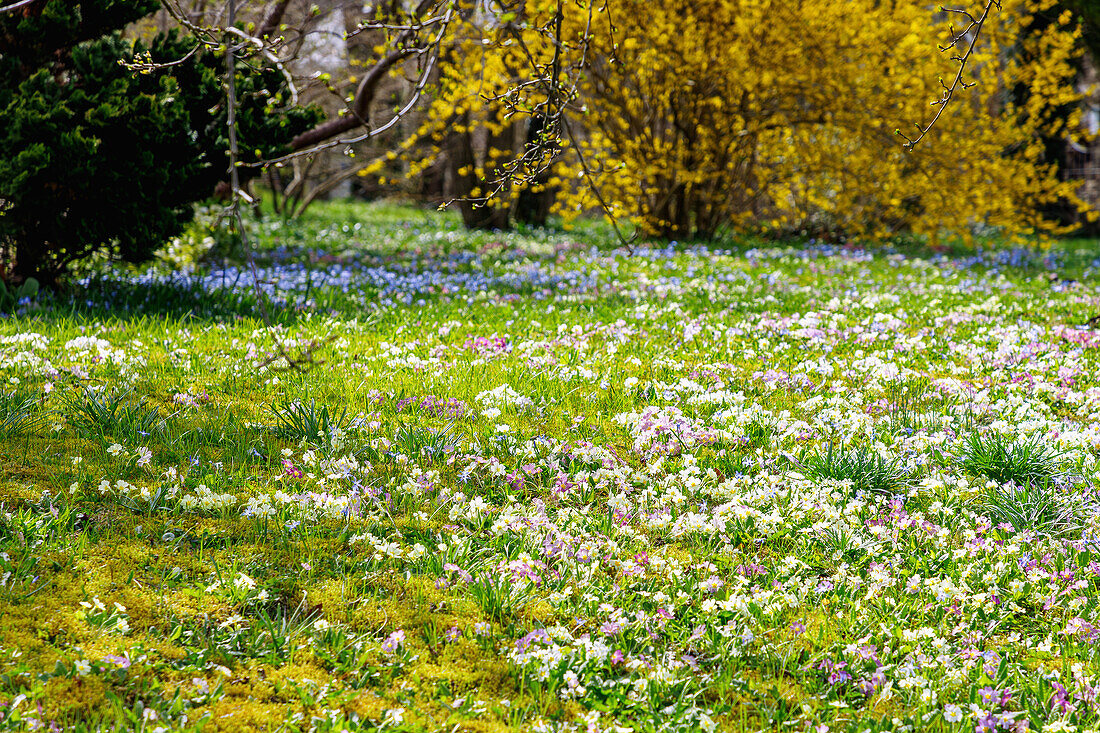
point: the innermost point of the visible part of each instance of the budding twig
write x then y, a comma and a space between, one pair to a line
973, 30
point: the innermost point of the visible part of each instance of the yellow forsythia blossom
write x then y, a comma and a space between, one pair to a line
696, 116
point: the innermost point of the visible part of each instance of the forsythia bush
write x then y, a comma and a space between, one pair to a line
469, 124
696, 116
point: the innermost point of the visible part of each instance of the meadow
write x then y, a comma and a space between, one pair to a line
404, 477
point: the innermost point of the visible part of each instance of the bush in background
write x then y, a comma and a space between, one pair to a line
99, 156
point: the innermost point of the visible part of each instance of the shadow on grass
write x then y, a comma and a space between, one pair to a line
178, 298
345, 256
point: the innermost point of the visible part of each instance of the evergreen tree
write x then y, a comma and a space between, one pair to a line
95, 155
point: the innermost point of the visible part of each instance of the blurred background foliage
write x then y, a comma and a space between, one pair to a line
678, 120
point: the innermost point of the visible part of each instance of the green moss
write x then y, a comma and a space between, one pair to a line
68, 699
231, 714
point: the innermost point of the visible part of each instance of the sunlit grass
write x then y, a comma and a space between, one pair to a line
524, 484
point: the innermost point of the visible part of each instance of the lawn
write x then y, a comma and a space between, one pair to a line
418, 479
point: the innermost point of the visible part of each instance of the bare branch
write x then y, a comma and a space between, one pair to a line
372, 132
144, 64
974, 29
359, 113
273, 19
16, 6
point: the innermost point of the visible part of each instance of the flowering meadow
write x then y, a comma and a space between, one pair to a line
418, 479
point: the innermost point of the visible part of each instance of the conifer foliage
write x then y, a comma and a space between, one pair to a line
106, 142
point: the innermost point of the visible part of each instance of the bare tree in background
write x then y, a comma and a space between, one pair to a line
311, 41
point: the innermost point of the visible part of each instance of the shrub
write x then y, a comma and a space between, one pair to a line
699, 116
98, 156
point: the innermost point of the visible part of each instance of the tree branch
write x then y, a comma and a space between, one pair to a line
360, 111
15, 6
975, 25
273, 19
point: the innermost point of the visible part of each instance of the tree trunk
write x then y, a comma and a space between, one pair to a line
462, 161
534, 202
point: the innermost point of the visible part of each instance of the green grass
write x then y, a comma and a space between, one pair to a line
523, 481
864, 470
19, 413
1006, 459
